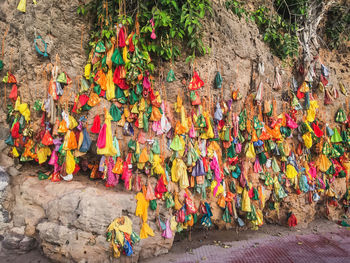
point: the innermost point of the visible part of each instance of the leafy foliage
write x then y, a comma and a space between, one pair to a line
177, 23
236, 7
280, 25
278, 33
338, 25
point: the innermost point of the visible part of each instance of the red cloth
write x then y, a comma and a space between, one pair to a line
118, 80
323, 80
300, 94
11, 78
317, 130
74, 110
121, 38
83, 99
160, 188
196, 82
292, 221
14, 92
96, 126
47, 139
15, 131
131, 44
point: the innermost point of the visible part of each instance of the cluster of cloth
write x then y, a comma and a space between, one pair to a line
200, 151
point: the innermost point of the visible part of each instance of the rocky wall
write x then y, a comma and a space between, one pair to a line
69, 219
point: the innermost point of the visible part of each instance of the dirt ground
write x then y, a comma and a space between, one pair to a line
185, 243
182, 243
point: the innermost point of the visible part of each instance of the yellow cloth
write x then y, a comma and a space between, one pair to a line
126, 227
72, 122
220, 188
250, 151
15, 152
291, 172
178, 104
22, 108
109, 149
118, 229
110, 93
174, 174
209, 134
156, 165
173, 223
179, 173
135, 109
43, 153
184, 121
323, 163
307, 140
146, 231
22, 6
141, 211
311, 112
125, 55
142, 105
87, 71
143, 156
142, 206
70, 163
246, 206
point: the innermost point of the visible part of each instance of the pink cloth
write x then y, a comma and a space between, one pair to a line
214, 165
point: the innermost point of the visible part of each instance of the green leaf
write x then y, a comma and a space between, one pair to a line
190, 29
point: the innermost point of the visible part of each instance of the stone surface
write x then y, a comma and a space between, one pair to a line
3, 144
6, 161
5, 216
13, 171
70, 219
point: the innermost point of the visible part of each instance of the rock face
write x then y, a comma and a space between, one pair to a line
69, 220
61, 28
4, 193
